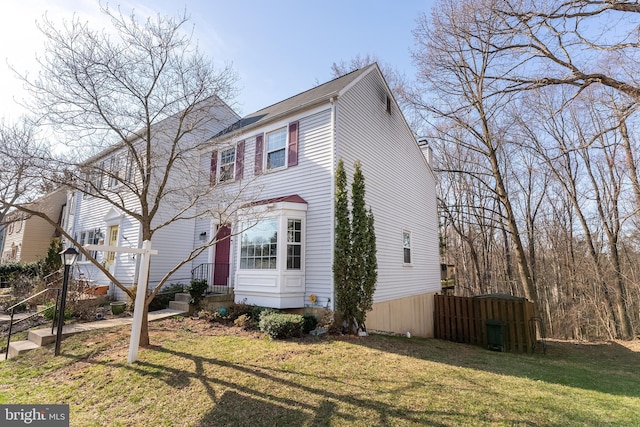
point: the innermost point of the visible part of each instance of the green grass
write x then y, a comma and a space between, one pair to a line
201, 375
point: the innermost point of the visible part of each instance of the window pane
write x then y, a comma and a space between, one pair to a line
294, 257
406, 244
227, 165
294, 233
259, 245
294, 247
228, 156
275, 159
276, 149
276, 140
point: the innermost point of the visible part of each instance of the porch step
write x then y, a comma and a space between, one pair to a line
19, 347
179, 305
42, 337
183, 297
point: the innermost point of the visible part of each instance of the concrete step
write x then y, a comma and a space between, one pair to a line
183, 297
39, 337
179, 305
18, 347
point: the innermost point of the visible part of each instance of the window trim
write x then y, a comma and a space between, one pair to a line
89, 236
405, 247
299, 243
284, 149
282, 243
246, 257
220, 178
290, 148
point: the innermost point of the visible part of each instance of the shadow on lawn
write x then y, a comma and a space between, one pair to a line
243, 405
604, 367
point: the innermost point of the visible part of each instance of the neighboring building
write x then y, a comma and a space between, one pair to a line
279, 252
111, 175
27, 238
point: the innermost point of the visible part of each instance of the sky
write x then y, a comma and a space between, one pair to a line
278, 47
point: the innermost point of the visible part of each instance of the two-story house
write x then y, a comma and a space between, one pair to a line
109, 191
278, 250
27, 238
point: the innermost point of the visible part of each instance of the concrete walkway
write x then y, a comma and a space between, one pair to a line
5, 318
40, 337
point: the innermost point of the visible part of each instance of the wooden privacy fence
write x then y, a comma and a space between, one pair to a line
477, 320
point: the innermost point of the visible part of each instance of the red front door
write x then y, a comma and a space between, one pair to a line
221, 259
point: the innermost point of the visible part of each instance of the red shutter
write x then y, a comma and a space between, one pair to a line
213, 168
259, 152
293, 144
239, 160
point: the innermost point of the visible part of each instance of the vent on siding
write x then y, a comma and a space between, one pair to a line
388, 104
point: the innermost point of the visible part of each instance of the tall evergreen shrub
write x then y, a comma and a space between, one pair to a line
355, 262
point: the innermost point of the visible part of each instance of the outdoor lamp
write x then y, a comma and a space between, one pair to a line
69, 256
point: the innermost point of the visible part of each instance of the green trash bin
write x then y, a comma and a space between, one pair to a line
495, 335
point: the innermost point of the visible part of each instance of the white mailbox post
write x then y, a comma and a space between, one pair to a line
141, 293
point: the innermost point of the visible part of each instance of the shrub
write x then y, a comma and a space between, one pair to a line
162, 299
281, 325
197, 289
238, 309
258, 312
310, 322
48, 313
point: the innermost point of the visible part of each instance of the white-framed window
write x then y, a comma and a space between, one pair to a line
129, 167
114, 172
93, 181
88, 237
259, 245
294, 244
276, 149
406, 246
227, 165
119, 169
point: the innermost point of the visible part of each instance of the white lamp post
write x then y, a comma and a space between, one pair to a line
68, 256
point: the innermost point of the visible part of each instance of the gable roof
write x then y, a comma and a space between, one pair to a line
211, 102
313, 96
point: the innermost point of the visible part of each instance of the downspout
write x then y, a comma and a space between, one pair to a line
334, 149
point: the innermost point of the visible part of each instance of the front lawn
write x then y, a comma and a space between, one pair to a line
200, 374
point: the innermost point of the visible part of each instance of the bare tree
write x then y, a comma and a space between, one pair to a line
456, 59
582, 145
21, 160
132, 105
577, 43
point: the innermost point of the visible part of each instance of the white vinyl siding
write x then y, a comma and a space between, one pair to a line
174, 242
313, 182
400, 198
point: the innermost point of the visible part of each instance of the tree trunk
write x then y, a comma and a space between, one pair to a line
144, 329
